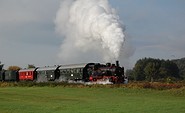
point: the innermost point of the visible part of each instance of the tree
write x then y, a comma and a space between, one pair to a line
31, 66
138, 70
172, 68
181, 65
155, 69
151, 71
130, 74
14, 68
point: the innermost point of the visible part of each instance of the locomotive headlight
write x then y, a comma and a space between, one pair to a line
51, 76
72, 75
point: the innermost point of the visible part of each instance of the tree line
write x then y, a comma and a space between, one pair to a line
16, 68
150, 69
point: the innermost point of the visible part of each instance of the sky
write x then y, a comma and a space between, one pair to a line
154, 28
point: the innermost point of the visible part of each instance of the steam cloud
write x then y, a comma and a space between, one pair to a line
92, 31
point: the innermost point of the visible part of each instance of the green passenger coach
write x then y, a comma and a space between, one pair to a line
45, 74
72, 72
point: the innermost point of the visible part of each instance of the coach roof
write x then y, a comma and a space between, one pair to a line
72, 66
48, 68
25, 70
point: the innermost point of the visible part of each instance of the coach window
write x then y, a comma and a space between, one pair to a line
62, 71
70, 71
80, 70
74, 71
43, 72
77, 70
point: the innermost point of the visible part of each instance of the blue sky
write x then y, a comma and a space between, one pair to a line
155, 28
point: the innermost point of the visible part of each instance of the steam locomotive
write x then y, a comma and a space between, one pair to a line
90, 72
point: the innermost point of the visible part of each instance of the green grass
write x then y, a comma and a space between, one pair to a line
90, 100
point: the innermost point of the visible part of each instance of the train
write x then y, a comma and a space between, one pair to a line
86, 72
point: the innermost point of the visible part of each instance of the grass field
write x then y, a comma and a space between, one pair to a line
90, 100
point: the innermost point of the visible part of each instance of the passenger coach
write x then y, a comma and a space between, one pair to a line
28, 74
11, 75
48, 73
2, 75
72, 72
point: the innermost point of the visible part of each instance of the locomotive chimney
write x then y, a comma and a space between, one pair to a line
117, 63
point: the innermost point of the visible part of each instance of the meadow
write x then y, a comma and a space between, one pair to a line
80, 99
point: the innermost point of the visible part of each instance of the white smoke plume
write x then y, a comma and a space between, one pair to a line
91, 29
